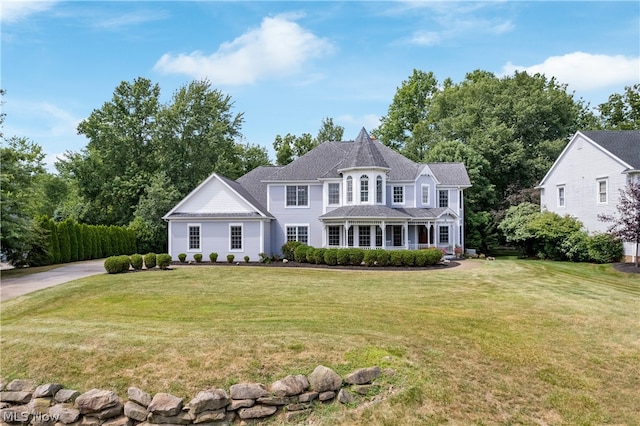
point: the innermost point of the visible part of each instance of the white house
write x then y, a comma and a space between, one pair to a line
340, 194
586, 179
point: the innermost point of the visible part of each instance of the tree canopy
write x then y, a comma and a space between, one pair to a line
290, 147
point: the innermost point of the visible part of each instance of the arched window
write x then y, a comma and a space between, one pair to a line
364, 189
349, 189
379, 190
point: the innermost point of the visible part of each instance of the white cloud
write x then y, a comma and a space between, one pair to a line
279, 47
15, 10
135, 18
584, 71
368, 121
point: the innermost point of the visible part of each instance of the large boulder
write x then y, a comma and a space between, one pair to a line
20, 385
248, 391
324, 379
363, 376
165, 404
290, 385
96, 400
66, 395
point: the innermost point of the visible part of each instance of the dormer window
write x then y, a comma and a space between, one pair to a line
364, 189
379, 190
349, 189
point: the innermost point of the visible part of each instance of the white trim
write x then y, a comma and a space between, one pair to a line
169, 235
194, 225
606, 190
562, 187
297, 225
241, 226
296, 206
393, 194
422, 187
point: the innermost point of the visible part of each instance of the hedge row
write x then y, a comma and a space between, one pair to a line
357, 256
69, 241
122, 263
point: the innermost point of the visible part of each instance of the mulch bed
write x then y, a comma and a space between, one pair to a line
628, 268
291, 264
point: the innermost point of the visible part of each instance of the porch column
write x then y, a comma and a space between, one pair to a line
405, 231
383, 226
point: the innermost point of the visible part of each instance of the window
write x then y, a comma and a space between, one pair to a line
194, 237
379, 190
334, 235
235, 237
364, 236
443, 198
425, 194
350, 237
398, 195
298, 233
349, 189
378, 236
602, 191
297, 195
334, 193
397, 235
364, 189
561, 196
443, 235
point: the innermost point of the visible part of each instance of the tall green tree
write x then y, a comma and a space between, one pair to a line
621, 111
119, 158
290, 147
329, 132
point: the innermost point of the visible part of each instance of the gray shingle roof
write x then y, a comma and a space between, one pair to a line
365, 153
383, 212
624, 144
450, 173
247, 195
214, 215
253, 183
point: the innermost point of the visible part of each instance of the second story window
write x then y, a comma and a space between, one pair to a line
602, 191
349, 189
364, 189
297, 195
398, 195
379, 190
561, 196
443, 198
425, 194
334, 193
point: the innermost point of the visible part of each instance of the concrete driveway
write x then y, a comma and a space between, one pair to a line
14, 287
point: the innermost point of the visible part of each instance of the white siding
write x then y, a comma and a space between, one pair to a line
215, 197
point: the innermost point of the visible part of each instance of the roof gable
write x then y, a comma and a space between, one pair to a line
217, 195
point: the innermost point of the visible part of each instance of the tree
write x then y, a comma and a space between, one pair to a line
114, 167
284, 151
621, 111
21, 163
514, 226
252, 156
291, 147
329, 132
627, 224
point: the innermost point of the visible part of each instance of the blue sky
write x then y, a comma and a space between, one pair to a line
287, 65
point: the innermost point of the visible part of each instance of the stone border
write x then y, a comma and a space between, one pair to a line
24, 403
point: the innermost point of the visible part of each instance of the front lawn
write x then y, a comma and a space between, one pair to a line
509, 341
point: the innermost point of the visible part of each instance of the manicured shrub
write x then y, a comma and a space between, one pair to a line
213, 257
136, 261
396, 258
311, 255
246, 259
371, 257
384, 257
182, 257
331, 256
408, 258
197, 257
116, 264
150, 260
289, 248
356, 255
264, 258
605, 248
318, 256
343, 257
230, 258
163, 260
300, 253
421, 258
434, 256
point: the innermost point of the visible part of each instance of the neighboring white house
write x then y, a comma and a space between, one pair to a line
586, 179
340, 194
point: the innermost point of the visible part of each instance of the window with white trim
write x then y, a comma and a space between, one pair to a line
379, 190
298, 233
235, 237
561, 194
602, 191
425, 194
443, 235
378, 236
334, 193
364, 236
349, 189
297, 195
334, 236
350, 236
443, 198
364, 188
398, 195
194, 237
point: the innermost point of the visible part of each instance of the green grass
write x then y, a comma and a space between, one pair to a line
506, 342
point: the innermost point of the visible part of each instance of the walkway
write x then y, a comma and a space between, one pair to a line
14, 287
